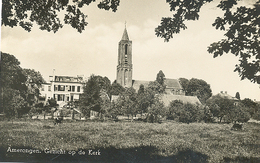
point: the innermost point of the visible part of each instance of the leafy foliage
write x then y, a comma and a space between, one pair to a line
251, 105
242, 26
196, 87
116, 89
185, 113
220, 106
156, 111
95, 95
90, 99
183, 10
13, 87
46, 13
156, 87
239, 114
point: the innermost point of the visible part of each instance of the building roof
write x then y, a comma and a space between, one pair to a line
225, 95
168, 98
172, 83
136, 84
125, 35
67, 79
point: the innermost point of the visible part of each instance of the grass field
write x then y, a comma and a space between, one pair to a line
128, 142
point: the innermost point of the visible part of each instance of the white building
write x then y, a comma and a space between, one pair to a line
62, 89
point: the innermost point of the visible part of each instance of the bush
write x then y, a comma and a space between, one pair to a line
256, 116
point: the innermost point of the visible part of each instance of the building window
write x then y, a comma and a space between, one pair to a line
126, 48
55, 87
69, 89
61, 97
62, 88
49, 88
73, 88
78, 88
125, 59
42, 88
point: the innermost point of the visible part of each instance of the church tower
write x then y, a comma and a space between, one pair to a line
125, 66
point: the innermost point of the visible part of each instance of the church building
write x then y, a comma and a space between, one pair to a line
125, 74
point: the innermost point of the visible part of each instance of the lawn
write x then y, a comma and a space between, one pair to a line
74, 141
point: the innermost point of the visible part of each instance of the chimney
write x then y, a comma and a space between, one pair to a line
221, 91
225, 92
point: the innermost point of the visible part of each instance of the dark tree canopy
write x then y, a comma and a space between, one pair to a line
196, 87
11, 73
45, 13
90, 99
242, 26
116, 89
160, 77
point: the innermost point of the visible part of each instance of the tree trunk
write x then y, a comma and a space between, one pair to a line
220, 119
72, 115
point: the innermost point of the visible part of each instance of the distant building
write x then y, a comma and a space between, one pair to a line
174, 90
62, 89
227, 96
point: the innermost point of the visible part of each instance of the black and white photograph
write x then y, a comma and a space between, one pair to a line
130, 81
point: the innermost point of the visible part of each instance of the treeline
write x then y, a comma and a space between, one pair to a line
20, 91
114, 100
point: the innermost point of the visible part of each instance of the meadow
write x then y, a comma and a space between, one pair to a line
86, 141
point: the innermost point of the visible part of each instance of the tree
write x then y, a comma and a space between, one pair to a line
250, 105
239, 114
237, 95
174, 108
116, 89
184, 83
145, 98
45, 13
127, 101
12, 75
156, 87
196, 87
156, 111
242, 26
90, 99
160, 77
13, 87
220, 106
114, 110
33, 83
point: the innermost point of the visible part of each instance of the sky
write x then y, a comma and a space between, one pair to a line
95, 50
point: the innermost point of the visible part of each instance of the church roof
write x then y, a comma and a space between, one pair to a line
125, 35
168, 98
172, 83
136, 84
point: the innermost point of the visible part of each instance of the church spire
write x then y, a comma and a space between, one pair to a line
125, 35
125, 66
